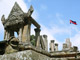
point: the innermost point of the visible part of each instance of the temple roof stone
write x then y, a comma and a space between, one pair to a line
15, 16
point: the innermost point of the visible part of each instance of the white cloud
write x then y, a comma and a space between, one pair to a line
59, 30
76, 40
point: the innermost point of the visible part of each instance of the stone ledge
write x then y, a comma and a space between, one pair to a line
58, 54
31, 53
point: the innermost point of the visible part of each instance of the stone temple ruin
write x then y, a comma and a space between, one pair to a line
20, 48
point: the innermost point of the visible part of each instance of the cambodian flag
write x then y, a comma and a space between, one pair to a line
73, 22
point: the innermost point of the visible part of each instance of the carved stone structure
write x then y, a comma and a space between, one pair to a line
20, 22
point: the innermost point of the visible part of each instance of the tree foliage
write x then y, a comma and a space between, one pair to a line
32, 39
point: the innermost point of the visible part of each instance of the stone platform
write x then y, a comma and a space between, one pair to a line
37, 54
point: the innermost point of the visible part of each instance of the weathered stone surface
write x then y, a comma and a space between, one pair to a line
42, 43
15, 17
24, 55
52, 45
20, 35
9, 49
38, 42
45, 42
26, 33
56, 47
13, 48
68, 43
36, 55
37, 35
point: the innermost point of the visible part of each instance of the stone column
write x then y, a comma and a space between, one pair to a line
42, 43
64, 46
4, 34
45, 42
56, 47
7, 35
75, 48
37, 33
26, 33
20, 35
38, 42
68, 43
52, 45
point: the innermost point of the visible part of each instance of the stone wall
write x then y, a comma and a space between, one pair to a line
24, 55
33, 55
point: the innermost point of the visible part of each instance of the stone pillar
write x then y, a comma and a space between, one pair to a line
56, 47
20, 35
52, 45
68, 43
42, 43
75, 48
26, 33
64, 46
45, 42
7, 35
4, 34
38, 42
37, 33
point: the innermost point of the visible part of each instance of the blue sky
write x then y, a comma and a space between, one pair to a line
53, 16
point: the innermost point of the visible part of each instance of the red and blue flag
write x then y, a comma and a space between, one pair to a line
73, 22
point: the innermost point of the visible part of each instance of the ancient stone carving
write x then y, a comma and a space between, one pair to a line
18, 22
3, 19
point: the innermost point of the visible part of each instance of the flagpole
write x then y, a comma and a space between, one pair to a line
70, 32
72, 22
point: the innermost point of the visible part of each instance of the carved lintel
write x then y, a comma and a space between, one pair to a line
34, 22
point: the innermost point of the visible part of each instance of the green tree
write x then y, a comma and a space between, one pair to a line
32, 39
